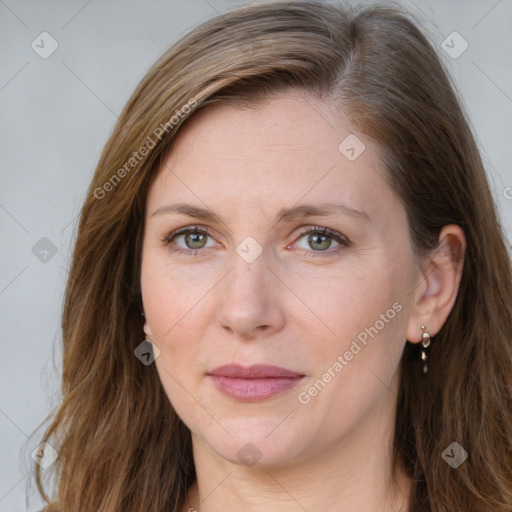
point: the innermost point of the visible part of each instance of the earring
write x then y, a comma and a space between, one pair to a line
425, 343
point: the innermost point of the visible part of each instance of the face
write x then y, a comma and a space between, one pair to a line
323, 294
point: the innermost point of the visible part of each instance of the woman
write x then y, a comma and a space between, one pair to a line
293, 215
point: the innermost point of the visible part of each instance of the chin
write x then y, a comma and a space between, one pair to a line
256, 442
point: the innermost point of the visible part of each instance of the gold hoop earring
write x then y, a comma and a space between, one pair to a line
425, 343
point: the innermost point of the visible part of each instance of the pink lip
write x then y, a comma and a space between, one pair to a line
253, 383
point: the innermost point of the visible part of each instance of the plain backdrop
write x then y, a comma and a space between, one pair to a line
55, 116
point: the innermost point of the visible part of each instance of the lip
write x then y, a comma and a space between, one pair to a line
253, 383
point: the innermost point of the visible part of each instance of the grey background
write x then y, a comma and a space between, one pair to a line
56, 114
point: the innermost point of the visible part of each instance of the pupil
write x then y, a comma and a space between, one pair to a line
315, 239
196, 237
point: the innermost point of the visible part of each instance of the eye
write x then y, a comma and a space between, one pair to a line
319, 239
192, 240
189, 240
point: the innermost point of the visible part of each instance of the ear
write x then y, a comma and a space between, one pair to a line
438, 284
147, 329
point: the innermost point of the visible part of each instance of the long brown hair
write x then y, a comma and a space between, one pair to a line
121, 446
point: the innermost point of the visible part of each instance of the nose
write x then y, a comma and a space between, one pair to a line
250, 300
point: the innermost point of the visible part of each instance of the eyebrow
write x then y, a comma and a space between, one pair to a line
284, 215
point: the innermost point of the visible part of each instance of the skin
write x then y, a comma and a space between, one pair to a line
288, 307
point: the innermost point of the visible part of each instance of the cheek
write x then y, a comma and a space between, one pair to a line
355, 367
178, 310
348, 300
173, 322
174, 305
358, 342
173, 298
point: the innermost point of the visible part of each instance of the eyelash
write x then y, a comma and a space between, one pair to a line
338, 237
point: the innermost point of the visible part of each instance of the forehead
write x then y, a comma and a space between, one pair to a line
291, 147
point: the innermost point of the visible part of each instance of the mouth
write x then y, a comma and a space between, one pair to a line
253, 383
